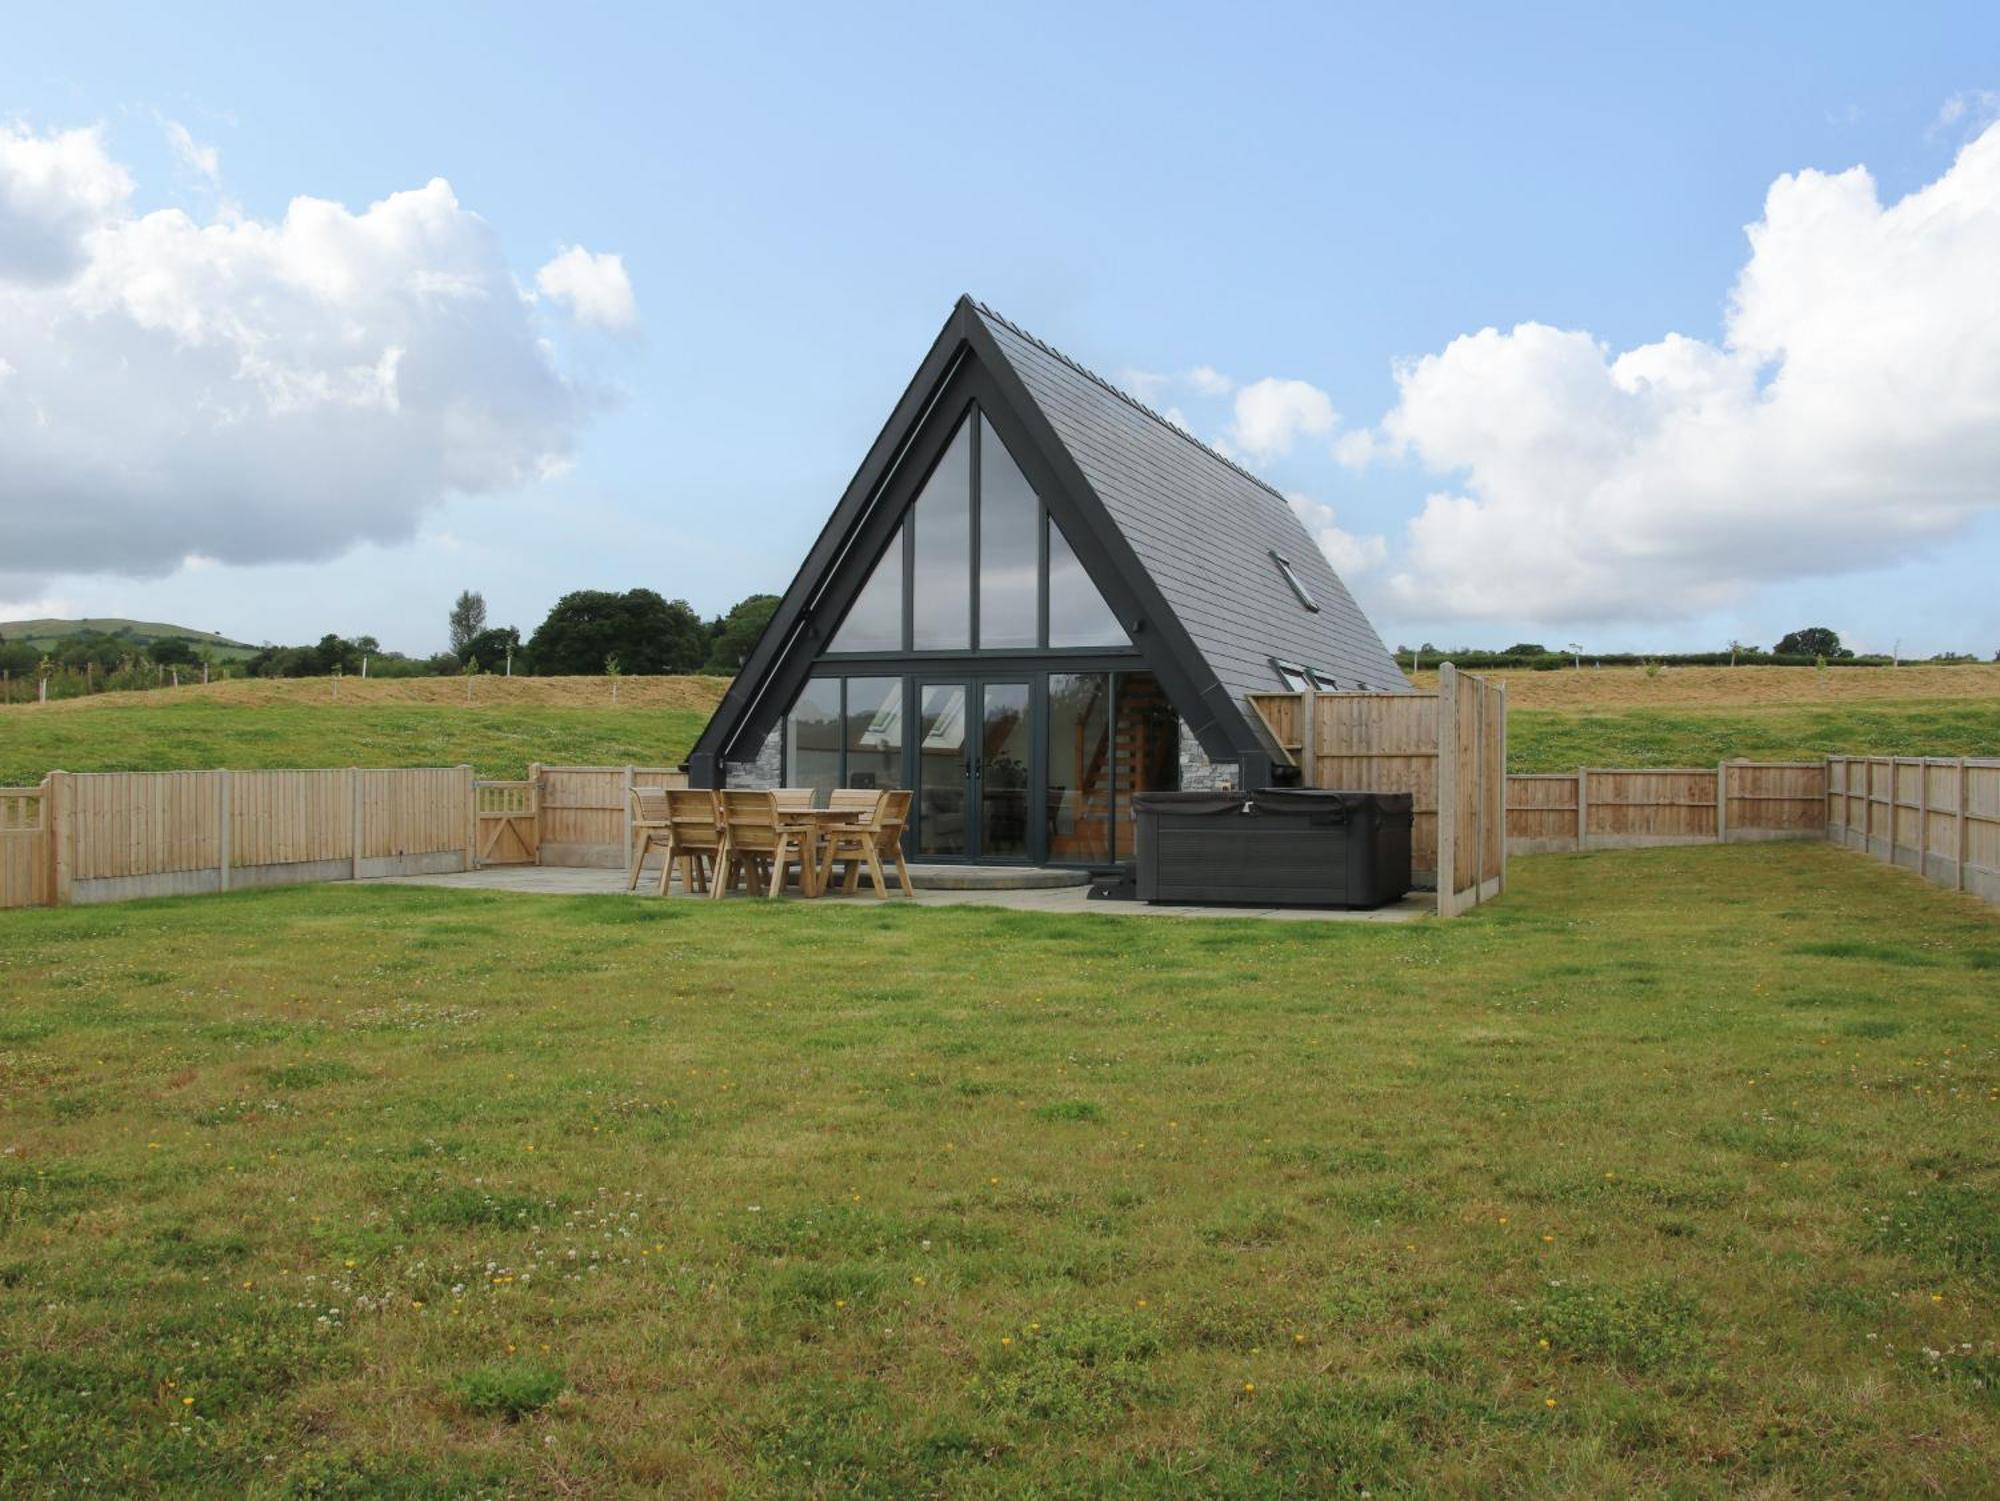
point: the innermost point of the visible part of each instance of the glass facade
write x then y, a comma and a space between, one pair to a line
874, 733
812, 738
875, 621
1006, 767
1009, 549
1079, 738
941, 561
941, 770
1078, 615
1010, 759
1148, 738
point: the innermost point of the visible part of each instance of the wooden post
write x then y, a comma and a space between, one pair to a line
222, 830
61, 833
471, 805
354, 826
1309, 738
1721, 802
535, 776
1503, 785
1582, 806
1447, 790
1964, 792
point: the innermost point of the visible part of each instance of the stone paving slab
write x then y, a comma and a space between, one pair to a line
552, 880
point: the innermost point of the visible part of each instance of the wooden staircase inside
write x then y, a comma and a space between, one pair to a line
1141, 754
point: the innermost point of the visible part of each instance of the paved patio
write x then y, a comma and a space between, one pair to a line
1068, 899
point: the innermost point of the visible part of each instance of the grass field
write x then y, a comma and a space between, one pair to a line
1557, 721
277, 722
1675, 1173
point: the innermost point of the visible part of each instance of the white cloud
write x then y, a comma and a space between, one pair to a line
1206, 380
54, 190
248, 390
1273, 414
205, 160
594, 288
1849, 418
1972, 110
1349, 553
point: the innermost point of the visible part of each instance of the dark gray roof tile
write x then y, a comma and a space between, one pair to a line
1205, 529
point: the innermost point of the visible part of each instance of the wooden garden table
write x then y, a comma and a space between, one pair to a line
815, 822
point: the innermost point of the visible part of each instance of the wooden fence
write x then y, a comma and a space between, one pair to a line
1622, 808
586, 811
26, 871
105, 836
1446, 749
1938, 817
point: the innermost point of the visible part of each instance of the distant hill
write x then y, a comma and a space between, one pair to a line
49, 633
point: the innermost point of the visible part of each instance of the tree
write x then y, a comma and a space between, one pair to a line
1526, 649
467, 619
1813, 641
733, 636
490, 647
172, 651
647, 634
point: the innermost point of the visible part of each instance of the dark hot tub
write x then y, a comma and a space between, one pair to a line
1275, 847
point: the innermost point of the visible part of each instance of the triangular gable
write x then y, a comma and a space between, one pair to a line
964, 366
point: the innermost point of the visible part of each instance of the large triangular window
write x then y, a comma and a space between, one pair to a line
1021, 588
1078, 615
875, 623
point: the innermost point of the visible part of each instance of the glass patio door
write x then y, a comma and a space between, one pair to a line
1003, 771
974, 771
944, 773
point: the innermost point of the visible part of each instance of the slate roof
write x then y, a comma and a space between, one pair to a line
1205, 530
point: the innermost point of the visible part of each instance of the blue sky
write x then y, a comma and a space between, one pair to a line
1301, 194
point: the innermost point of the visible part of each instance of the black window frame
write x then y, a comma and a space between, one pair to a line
1291, 576
1295, 676
973, 418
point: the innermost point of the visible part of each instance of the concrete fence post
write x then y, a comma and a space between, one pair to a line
1721, 802
354, 822
62, 856
1964, 794
469, 801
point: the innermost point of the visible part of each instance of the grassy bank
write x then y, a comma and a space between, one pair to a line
402, 1191
1557, 721
413, 722
1559, 740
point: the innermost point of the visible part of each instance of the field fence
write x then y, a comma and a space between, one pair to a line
1626, 808
85, 837
1939, 817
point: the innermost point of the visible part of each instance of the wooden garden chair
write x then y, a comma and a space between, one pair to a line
694, 839
867, 845
649, 832
849, 799
791, 799
756, 837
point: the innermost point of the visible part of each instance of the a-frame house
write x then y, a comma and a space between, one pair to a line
1036, 598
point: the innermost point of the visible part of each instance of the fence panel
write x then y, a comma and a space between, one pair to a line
585, 811
1934, 816
1541, 812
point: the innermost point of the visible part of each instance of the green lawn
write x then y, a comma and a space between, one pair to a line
153, 732
1674, 1172
1561, 740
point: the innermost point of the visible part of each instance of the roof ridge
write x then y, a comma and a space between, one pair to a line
1125, 396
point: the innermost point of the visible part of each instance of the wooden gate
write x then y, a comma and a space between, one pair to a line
25, 873
509, 815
